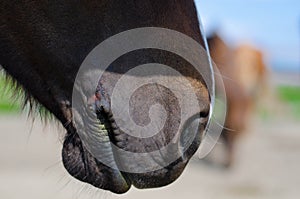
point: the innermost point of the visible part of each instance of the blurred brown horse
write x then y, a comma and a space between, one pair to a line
244, 74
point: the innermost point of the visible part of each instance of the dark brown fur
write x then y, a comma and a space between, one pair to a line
43, 43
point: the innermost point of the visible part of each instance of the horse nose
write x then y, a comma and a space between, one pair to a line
193, 132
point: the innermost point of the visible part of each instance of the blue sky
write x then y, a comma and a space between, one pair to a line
272, 25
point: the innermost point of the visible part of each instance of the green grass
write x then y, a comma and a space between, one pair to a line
7, 102
291, 96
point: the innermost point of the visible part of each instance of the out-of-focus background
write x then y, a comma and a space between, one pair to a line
256, 45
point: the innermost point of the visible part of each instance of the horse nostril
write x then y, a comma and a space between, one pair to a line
193, 130
205, 112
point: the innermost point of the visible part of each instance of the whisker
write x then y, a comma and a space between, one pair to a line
224, 77
214, 119
62, 177
51, 166
226, 128
79, 192
30, 131
28, 103
63, 186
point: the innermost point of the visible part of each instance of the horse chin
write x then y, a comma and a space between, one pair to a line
82, 165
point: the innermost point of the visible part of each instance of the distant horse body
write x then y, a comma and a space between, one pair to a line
251, 69
244, 74
42, 45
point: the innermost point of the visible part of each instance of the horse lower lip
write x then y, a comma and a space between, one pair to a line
85, 167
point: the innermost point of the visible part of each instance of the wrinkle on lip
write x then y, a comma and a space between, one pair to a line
105, 175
